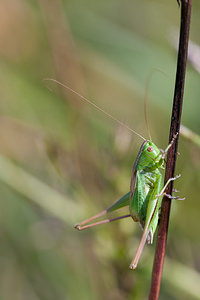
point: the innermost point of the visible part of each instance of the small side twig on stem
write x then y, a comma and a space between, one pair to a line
171, 159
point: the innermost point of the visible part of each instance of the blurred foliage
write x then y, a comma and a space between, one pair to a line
61, 161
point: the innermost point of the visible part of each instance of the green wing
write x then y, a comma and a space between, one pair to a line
124, 201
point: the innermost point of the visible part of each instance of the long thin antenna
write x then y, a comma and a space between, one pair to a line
97, 107
145, 103
146, 98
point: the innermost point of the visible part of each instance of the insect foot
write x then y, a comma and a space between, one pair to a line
165, 186
77, 226
175, 135
175, 191
176, 177
132, 266
173, 197
164, 153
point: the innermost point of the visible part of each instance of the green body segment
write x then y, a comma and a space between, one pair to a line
146, 184
145, 193
124, 201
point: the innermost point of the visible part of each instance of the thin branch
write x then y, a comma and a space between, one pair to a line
171, 160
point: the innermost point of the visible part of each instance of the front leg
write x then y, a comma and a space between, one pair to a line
164, 153
166, 184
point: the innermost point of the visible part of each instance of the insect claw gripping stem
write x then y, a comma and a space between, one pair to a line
173, 197
169, 146
165, 186
175, 191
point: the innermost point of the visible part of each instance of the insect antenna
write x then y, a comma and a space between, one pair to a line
146, 98
97, 107
145, 103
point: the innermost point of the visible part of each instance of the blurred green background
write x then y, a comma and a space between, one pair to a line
62, 161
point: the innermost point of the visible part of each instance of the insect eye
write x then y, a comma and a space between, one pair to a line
150, 149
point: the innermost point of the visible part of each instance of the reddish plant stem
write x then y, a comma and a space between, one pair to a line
171, 159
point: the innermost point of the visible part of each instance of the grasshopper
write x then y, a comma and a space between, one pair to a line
146, 189
145, 196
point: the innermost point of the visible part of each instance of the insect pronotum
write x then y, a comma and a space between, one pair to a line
146, 187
